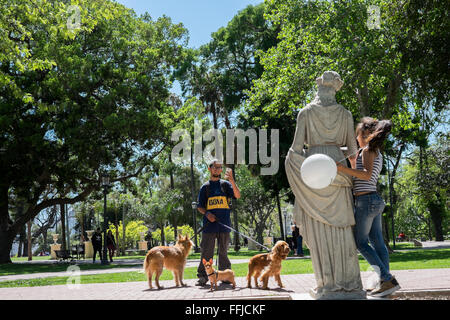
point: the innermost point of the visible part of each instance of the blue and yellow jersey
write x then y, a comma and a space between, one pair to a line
217, 203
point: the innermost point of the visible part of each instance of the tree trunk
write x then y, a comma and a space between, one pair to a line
21, 252
23, 240
63, 226
172, 187
237, 245
6, 235
280, 216
7, 239
45, 242
259, 235
362, 95
436, 218
82, 221
385, 229
175, 230
117, 232
66, 207
20, 246
125, 211
163, 237
30, 249
430, 236
214, 113
391, 96
434, 206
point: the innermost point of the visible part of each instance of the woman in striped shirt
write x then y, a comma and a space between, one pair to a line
370, 134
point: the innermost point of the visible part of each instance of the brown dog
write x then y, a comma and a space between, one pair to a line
173, 258
214, 276
272, 261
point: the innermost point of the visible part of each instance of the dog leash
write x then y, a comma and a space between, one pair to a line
230, 228
247, 237
201, 229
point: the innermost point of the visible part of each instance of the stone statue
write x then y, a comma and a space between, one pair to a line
325, 216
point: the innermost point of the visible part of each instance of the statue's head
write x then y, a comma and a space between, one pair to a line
330, 79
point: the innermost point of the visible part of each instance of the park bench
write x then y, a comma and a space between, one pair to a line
63, 255
78, 250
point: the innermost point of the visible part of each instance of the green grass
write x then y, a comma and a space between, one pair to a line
414, 259
22, 268
244, 253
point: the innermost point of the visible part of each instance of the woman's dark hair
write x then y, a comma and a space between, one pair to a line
375, 131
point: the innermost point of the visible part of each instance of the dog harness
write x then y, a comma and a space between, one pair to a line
215, 272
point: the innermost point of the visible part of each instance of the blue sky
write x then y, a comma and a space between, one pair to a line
200, 17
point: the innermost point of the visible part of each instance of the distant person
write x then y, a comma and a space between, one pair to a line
97, 244
110, 244
293, 240
401, 236
298, 240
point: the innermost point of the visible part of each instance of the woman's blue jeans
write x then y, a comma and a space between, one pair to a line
368, 209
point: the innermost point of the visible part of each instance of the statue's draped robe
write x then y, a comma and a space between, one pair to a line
325, 216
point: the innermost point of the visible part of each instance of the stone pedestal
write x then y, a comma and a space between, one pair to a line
268, 242
337, 295
88, 249
54, 247
252, 246
142, 245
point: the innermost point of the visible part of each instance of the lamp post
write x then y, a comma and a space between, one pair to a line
105, 185
286, 231
194, 209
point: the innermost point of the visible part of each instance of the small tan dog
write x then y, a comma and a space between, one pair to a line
269, 264
173, 258
214, 276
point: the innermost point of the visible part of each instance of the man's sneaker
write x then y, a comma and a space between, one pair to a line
201, 282
385, 288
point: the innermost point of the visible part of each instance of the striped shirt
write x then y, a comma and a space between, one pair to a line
371, 184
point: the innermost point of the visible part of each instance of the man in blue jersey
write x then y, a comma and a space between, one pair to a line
214, 203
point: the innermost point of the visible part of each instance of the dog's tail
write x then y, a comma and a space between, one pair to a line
146, 263
250, 272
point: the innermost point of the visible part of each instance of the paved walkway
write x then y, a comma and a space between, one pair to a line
296, 286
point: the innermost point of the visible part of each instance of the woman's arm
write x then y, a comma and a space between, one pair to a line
300, 133
366, 173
